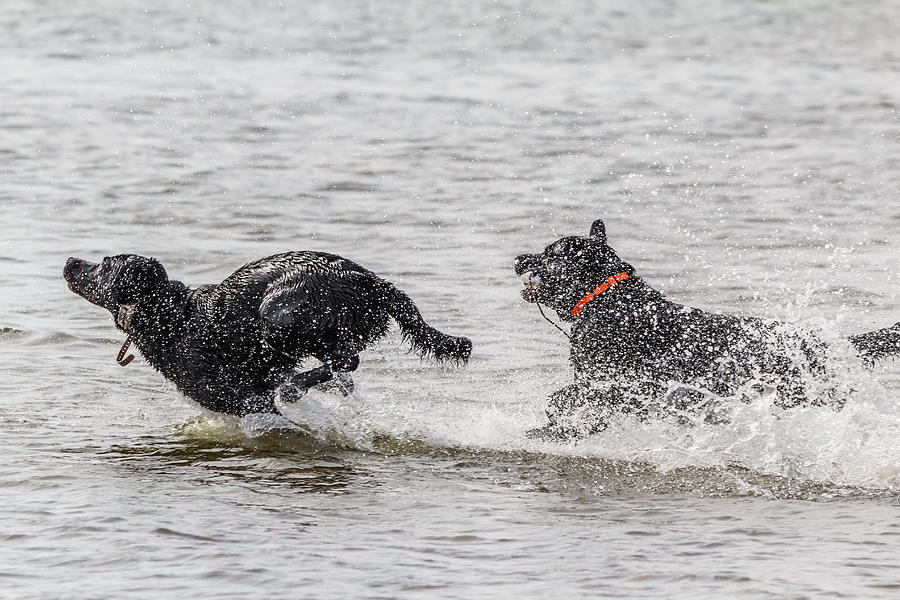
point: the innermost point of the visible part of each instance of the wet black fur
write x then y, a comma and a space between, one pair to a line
629, 345
230, 346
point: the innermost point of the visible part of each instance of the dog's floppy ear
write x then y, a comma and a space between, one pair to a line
598, 231
140, 278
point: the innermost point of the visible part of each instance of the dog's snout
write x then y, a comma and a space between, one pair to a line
525, 263
73, 265
75, 271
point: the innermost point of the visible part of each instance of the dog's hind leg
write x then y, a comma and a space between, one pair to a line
876, 345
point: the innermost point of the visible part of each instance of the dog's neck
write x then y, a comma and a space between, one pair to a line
605, 286
124, 315
155, 307
144, 319
628, 293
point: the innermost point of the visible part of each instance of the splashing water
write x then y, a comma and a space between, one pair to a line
853, 447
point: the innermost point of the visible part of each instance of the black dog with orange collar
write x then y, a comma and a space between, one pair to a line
635, 351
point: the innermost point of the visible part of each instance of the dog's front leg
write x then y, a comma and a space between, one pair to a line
296, 385
341, 365
877, 345
335, 367
563, 403
560, 410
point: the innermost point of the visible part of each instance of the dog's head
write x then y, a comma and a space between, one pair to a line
568, 268
116, 281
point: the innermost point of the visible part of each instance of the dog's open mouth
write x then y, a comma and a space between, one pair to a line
532, 283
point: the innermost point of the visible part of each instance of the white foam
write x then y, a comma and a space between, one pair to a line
856, 446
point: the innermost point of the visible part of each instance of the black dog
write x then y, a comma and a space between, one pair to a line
635, 351
231, 346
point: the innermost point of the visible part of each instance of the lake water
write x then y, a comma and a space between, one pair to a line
745, 157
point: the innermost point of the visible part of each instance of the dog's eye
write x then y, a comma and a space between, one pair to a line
558, 262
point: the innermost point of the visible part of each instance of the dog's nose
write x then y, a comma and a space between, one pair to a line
71, 265
75, 267
525, 263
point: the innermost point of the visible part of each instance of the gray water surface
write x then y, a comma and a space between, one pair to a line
745, 157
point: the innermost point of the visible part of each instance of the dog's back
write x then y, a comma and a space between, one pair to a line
329, 304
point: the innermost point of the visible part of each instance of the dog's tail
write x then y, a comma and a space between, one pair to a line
423, 337
877, 345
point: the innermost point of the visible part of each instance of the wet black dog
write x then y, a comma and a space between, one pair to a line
231, 346
635, 351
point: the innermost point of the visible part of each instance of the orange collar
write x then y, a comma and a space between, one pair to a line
610, 281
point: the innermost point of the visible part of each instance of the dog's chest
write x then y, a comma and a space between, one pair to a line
625, 338
604, 343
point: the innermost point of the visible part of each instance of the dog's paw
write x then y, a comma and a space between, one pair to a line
342, 382
545, 433
553, 433
291, 393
